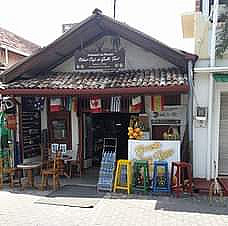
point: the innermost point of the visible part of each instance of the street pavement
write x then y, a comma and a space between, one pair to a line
19, 208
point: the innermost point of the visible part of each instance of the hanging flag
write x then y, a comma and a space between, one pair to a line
74, 104
136, 104
157, 103
68, 103
115, 104
55, 104
95, 104
11, 121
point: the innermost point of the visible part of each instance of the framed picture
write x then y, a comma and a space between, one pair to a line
54, 148
63, 148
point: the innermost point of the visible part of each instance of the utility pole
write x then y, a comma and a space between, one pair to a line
114, 9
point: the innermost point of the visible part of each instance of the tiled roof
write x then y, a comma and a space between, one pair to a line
102, 80
14, 41
89, 30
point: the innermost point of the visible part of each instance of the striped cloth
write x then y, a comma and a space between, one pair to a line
115, 104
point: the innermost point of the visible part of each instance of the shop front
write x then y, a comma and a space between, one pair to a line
117, 83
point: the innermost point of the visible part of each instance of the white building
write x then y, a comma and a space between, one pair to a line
210, 94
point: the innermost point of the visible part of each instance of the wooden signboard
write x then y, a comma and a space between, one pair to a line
100, 60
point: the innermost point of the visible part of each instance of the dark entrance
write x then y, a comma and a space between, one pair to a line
105, 125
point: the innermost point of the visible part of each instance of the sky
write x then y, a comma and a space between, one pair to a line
41, 21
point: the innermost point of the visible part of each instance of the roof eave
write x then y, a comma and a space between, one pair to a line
88, 92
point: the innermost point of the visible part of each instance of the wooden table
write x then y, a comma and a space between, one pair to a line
29, 168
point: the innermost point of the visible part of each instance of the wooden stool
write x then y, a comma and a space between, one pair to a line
140, 180
160, 182
74, 164
123, 176
181, 184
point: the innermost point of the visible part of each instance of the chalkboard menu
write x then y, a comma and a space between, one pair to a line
31, 133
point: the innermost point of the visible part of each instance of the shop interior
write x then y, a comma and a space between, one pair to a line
105, 125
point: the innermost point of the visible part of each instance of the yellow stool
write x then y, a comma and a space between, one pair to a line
124, 169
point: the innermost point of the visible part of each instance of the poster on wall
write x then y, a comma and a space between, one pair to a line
154, 150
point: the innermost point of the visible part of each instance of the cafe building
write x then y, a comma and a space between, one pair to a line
91, 83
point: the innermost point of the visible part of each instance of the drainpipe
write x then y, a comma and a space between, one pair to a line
190, 110
211, 90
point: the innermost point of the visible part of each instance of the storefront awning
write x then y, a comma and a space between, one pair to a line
221, 77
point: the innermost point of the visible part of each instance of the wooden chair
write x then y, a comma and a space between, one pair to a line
53, 169
75, 164
6, 169
46, 158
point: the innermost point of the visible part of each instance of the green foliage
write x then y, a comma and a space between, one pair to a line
222, 36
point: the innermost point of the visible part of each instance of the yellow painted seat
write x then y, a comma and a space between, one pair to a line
123, 177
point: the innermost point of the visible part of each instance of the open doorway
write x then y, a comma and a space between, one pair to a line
99, 126
108, 125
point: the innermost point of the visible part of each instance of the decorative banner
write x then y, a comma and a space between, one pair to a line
153, 150
55, 104
68, 103
11, 121
95, 104
115, 104
74, 104
157, 103
136, 105
100, 60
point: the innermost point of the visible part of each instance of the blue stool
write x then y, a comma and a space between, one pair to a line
160, 182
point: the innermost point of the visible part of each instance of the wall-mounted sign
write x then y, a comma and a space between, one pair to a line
170, 113
100, 60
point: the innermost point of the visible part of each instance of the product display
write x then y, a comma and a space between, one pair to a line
106, 173
171, 134
135, 128
108, 163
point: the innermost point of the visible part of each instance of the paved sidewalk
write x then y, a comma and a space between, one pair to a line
19, 208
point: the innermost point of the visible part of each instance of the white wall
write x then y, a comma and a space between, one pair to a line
200, 134
75, 134
136, 57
